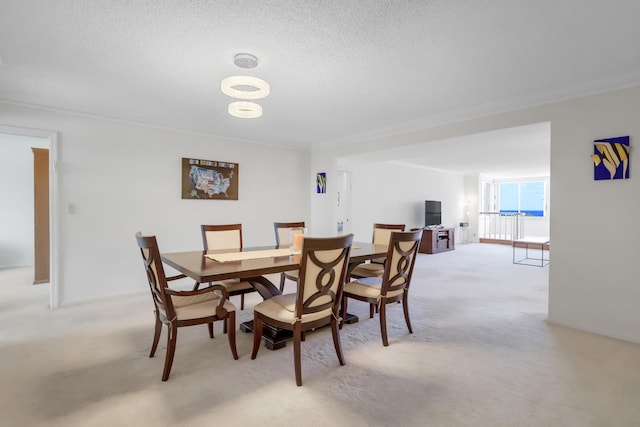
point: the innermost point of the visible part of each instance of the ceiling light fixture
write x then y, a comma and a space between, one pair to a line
245, 87
245, 60
245, 110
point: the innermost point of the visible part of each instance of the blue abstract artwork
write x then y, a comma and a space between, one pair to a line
321, 182
611, 158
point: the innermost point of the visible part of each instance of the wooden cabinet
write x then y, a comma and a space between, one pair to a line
437, 240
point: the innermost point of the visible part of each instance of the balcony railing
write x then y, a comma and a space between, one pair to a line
500, 226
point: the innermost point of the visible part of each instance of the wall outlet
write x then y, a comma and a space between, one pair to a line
71, 208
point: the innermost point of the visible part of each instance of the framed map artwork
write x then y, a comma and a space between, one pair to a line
209, 179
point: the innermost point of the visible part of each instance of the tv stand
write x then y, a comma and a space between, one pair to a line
435, 240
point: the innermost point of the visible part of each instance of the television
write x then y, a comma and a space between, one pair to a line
432, 213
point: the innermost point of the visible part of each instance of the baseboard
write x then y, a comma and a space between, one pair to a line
608, 334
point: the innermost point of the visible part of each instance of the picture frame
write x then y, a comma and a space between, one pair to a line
209, 179
321, 182
611, 158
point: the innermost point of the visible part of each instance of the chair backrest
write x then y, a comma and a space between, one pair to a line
403, 248
382, 232
322, 271
283, 232
155, 274
228, 236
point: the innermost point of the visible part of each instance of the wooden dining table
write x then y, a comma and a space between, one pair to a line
203, 268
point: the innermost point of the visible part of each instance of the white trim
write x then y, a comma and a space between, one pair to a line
52, 136
597, 331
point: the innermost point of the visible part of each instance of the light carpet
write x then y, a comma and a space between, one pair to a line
482, 354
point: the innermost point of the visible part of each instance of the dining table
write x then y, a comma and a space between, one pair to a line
252, 264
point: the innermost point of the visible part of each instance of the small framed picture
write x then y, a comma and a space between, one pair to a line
321, 182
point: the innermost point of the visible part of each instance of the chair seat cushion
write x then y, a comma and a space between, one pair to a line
198, 306
282, 308
371, 269
369, 287
234, 285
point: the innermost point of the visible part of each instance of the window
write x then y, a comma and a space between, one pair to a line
521, 197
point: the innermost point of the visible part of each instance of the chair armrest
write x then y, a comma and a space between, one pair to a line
221, 311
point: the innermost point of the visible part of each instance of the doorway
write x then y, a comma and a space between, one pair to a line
20, 249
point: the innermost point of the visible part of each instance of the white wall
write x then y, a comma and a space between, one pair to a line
395, 193
16, 194
594, 269
123, 178
594, 225
472, 194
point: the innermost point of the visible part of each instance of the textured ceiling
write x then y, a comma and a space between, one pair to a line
340, 71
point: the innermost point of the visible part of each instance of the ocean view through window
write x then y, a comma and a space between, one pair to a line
521, 197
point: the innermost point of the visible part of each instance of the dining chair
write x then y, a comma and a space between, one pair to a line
323, 266
284, 237
222, 237
375, 268
175, 308
393, 286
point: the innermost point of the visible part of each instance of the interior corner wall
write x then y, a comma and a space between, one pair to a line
594, 268
123, 178
472, 191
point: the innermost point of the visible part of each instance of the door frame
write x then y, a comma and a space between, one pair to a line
343, 202
52, 137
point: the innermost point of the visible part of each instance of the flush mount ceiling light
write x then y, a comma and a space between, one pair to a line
245, 109
245, 87
245, 60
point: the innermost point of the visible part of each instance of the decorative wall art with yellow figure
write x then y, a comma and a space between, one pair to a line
611, 158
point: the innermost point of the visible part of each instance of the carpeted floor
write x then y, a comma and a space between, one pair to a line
482, 354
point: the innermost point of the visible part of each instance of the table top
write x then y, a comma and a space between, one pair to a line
197, 266
536, 240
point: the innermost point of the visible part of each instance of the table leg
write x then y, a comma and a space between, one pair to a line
348, 317
265, 288
274, 338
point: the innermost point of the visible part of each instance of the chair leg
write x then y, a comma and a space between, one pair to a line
171, 349
241, 301
156, 336
210, 326
336, 340
297, 336
405, 306
231, 319
282, 278
257, 335
371, 309
196, 286
383, 322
